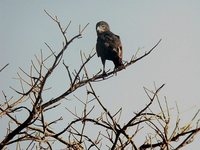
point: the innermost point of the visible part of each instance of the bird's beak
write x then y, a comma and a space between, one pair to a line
100, 29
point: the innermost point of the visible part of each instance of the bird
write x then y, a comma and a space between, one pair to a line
108, 46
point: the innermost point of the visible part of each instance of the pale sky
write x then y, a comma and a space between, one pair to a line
25, 27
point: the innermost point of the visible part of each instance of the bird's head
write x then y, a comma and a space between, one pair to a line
102, 26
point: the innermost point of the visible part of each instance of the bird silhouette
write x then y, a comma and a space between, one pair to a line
108, 45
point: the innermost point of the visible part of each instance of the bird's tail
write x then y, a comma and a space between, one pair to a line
118, 63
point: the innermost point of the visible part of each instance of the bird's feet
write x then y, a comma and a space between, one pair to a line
104, 73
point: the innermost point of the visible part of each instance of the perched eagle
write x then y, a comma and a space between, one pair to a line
108, 45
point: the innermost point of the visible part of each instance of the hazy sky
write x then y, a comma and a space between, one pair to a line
25, 27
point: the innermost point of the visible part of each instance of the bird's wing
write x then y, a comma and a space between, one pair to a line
113, 41
108, 41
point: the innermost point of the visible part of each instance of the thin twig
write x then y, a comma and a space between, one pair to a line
4, 67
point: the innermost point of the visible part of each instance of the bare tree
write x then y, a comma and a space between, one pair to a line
37, 132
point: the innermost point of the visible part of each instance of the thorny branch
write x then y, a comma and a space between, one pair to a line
40, 133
